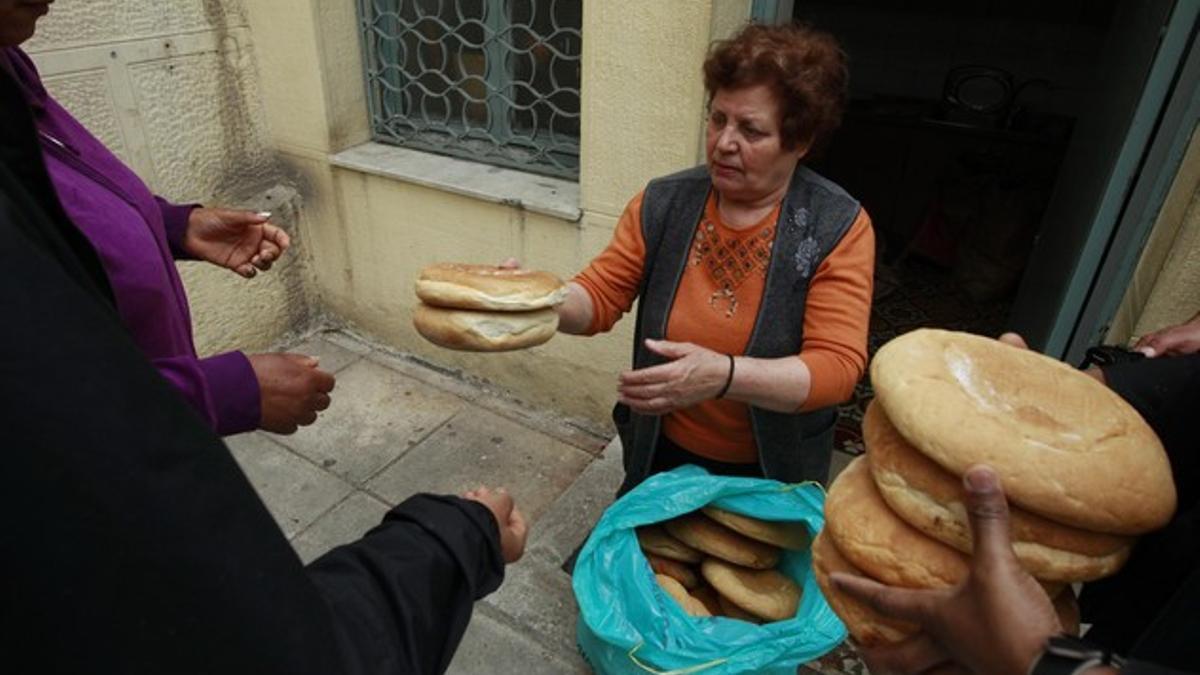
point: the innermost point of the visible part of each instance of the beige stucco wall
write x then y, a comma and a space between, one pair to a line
1165, 289
642, 103
172, 88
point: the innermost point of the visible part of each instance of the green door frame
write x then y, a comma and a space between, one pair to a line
1118, 210
1153, 180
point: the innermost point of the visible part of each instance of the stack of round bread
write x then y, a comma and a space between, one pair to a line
719, 563
486, 309
1082, 471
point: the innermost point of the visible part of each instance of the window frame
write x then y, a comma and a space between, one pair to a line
544, 151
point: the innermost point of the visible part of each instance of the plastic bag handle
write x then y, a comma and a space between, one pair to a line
678, 671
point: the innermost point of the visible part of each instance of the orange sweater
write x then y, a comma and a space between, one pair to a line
716, 306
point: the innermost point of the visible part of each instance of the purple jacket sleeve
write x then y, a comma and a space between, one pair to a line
175, 220
223, 389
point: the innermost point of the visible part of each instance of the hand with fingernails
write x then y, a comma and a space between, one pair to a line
292, 389
243, 241
513, 529
997, 622
691, 375
1175, 340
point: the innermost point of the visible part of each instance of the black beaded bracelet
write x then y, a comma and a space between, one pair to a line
728, 379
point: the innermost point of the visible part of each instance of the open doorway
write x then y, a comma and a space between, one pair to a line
982, 136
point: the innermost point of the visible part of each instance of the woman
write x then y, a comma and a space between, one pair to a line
754, 276
138, 235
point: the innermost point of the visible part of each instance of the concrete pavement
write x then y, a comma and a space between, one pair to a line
398, 426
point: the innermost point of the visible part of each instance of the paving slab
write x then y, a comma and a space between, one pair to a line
342, 524
537, 596
333, 356
484, 395
569, 521
446, 379
377, 414
547, 422
491, 647
295, 492
478, 447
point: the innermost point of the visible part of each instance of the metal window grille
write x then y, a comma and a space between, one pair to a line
495, 81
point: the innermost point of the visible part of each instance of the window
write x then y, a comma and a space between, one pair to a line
495, 81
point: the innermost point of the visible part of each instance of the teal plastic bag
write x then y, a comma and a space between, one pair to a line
628, 624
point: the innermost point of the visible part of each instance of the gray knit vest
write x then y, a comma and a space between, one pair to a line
815, 215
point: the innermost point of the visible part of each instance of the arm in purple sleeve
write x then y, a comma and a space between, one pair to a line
223, 389
175, 220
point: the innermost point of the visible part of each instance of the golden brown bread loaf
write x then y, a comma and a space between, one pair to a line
681, 596
487, 287
789, 535
1065, 446
866, 626
674, 569
654, 539
874, 539
705, 534
767, 594
869, 628
931, 499
732, 611
476, 331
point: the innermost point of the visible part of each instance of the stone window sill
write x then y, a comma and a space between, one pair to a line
553, 197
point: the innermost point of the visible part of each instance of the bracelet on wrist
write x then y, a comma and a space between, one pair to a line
728, 379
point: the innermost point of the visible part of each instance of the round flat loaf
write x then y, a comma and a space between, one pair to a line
674, 569
705, 534
461, 286
932, 500
866, 626
1065, 446
879, 543
678, 593
792, 536
654, 539
476, 331
732, 611
767, 594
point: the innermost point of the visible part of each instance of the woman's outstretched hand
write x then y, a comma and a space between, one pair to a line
691, 375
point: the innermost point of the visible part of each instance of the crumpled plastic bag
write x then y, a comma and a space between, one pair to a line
628, 624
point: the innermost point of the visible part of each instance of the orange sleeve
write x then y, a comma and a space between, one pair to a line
837, 317
612, 279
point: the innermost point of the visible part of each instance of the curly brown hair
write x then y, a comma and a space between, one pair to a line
804, 66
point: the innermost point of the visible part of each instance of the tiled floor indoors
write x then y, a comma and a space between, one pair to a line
397, 427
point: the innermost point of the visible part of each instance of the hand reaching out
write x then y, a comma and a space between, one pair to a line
693, 374
242, 241
995, 623
292, 388
1172, 341
513, 529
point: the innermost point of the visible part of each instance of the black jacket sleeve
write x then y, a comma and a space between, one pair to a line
426, 561
1166, 391
133, 543
1149, 609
